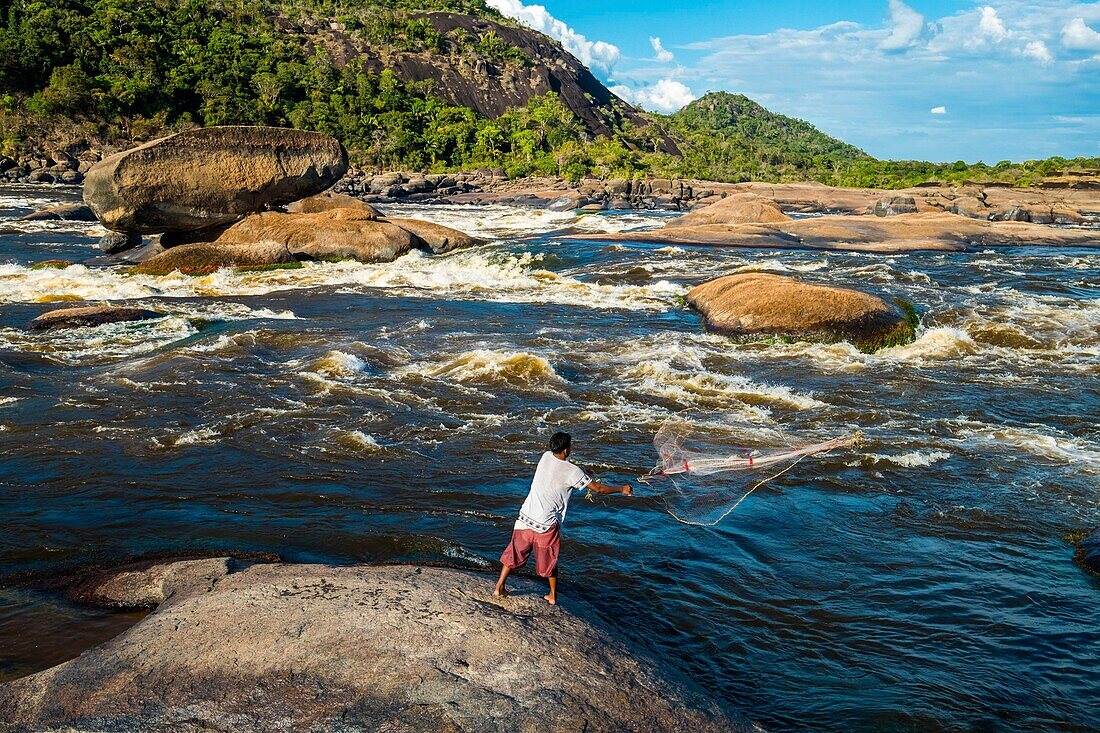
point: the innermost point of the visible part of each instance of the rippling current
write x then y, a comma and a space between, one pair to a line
363, 413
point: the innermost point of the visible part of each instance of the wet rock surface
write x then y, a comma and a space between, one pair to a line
314, 647
760, 303
96, 315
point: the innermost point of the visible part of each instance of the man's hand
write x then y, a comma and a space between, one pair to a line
627, 490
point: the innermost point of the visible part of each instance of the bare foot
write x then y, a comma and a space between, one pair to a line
500, 592
551, 599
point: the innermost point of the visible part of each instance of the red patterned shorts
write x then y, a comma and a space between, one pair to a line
545, 545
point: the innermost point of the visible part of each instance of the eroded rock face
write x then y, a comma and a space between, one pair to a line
312, 647
95, 315
210, 176
761, 303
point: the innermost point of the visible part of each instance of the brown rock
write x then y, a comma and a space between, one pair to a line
398, 648
95, 315
205, 177
61, 212
147, 585
435, 237
760, 303
327, 201
203, 258
336, 234
741, 208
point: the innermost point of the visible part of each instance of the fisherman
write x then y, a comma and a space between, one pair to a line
540, 518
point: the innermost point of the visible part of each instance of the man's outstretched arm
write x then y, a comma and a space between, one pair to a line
598, 488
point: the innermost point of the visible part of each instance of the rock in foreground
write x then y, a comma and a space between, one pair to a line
203, 258
95, 315
312, 647
210, 176
760, 303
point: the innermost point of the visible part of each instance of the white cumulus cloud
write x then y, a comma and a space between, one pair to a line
662, 53
667, 95
595, 54
1038, 51
990, 25
906, 26
1077, 36
938, 110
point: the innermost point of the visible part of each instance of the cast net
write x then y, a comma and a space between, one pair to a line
707, 479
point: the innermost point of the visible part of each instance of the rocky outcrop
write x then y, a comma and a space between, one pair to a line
210, 176
759, 303
329, 200
901, 233
336, 234
741, 208
313, 647
203, 258
61, 212
95, 315
894, 205
434, 237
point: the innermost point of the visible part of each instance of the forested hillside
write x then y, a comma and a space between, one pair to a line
415, 84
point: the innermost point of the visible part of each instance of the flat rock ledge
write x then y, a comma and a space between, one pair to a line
94, 315
321, 648
755, 303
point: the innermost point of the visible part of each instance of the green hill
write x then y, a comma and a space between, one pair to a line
730, 137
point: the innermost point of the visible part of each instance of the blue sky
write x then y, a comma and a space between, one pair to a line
938, 81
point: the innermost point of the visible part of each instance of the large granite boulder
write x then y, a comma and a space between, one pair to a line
740, 208
210, 176
313, 647
327, 201
760, 303
437, 238
95, 315
336, 234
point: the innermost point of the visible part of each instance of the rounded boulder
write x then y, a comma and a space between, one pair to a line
209, 176
760, 303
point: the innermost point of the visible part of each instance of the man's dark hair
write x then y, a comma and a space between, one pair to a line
560, 442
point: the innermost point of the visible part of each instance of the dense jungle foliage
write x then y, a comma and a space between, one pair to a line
109, 73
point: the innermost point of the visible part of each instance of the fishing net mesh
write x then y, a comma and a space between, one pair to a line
708, 480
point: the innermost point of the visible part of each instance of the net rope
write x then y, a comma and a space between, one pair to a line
706, 481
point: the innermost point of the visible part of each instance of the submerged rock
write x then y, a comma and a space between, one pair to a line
205, 177
61, 212
115, 242
203, 258
1088, 552
313, 647
95, 315
760, 303
52, 264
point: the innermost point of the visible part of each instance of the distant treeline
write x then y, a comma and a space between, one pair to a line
109, 73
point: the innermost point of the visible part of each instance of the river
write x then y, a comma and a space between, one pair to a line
394, 413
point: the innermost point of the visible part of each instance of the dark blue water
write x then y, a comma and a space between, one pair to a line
352, 413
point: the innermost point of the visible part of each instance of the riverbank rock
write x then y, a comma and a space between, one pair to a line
759, 303
1088, 552
209, 176
203, 258
397, 648
864, 233
95, 315
61, 212
740, 208
435, 237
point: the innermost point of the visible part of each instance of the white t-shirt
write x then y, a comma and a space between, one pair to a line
555, 481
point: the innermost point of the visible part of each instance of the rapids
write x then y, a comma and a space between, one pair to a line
366, 413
